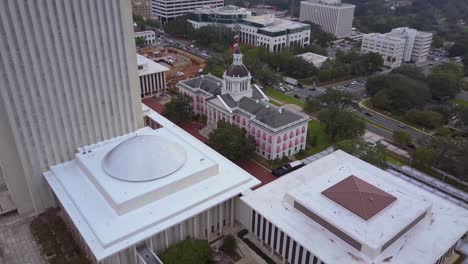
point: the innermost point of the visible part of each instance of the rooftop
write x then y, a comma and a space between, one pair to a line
263, 112
401, 232
271, 24
121, 191
208, 83
359, 197
149, 66
312, 57
333, 3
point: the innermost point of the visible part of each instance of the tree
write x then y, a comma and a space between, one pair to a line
340, 124
178, 26
331, 98
463, 111
399, 93
423, 157
178, 110
428, 119
375, 155
232, 142
140, 41
445, 81
229, 244
401, 138
411, 71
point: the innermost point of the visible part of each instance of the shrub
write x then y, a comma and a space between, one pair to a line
229, 244
190, 251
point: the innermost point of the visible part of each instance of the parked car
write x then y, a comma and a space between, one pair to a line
287, 168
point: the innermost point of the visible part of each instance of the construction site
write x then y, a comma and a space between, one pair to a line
182, 64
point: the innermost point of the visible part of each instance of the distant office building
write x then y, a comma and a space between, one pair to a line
333, 16
141, 8
149, 36
278, 131
133, 196
166, 10
340, 209
66, 81
152, 76
274, 34
313, 58
399, 45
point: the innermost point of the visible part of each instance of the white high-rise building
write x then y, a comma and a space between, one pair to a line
399, 45
68, 79
166, 10
333, 16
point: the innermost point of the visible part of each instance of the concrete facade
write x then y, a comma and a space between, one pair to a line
399, 45
152, 77
148, 35
166, 10
333, 16
80, 87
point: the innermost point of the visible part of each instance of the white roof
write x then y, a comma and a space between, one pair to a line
149, 66
112, 214
425, 242
313, 57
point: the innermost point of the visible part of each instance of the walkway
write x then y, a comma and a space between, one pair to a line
258, 171
17, 245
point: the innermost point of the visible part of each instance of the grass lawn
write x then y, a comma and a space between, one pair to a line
395, 161
322, 140
280, 96
460, 102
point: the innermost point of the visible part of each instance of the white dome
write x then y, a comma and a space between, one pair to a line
144, 158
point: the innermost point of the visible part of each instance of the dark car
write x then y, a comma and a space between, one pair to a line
368, 114
287, 168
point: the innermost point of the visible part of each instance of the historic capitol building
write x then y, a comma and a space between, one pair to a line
278, 131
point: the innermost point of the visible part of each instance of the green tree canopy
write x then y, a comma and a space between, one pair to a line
340, 124
178, 109
423, 157
401, 138
428, 119
140, 41
331, 98
178, 26
411, 71
397, 93
375, 155
232, 142
445, 81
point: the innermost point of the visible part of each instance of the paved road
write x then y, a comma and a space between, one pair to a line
392, 125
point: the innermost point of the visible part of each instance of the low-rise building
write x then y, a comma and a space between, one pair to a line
131, 197
278, 131
399, 45
265, 30
152, 76
313, 58
340, 209
333, 16
149, 36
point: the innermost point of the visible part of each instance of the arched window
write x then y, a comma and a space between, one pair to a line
297, 132
284, 146
285, 136
303, 129
279, 140
291, 135
302, 139
290, 144
269, 138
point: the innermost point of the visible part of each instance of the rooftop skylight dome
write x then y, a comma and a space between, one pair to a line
144, 158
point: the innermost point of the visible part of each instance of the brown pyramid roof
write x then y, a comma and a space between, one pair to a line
359, 197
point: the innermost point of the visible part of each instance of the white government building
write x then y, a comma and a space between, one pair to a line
340, 209
152, 77
149, 36
139, 193
265, 30
333, 16
399, 45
